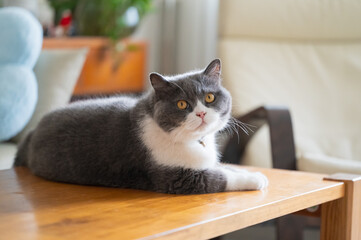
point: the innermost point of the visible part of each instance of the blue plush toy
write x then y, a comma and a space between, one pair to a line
20, 46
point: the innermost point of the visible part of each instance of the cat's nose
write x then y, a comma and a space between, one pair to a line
201, 114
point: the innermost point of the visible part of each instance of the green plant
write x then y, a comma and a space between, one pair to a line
108, 18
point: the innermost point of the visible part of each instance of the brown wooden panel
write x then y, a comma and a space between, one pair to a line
341, 219
104, 70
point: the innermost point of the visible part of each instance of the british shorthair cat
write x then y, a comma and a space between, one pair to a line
163, 141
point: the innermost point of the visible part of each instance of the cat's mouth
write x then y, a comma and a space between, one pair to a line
201, 126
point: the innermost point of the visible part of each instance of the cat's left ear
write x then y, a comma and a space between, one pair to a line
213, 70
158, 82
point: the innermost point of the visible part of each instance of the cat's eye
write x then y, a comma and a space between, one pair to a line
181, 104
209, 98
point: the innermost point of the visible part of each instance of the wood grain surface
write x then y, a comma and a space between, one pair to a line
34, 208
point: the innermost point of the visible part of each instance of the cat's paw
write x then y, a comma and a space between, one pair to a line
256, 181
245, 180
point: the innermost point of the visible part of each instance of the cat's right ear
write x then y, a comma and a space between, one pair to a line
158, 81
213, 70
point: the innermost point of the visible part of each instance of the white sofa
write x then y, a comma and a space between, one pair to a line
305, 55
57, 72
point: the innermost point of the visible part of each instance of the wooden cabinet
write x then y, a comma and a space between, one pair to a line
106, 71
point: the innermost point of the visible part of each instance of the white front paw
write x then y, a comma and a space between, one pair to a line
256, 181
238, 180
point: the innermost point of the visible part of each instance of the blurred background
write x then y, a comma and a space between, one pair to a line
139, 36
301, 55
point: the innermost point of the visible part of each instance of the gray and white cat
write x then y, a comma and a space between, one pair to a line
163, 141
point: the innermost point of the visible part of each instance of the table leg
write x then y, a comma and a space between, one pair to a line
341, 219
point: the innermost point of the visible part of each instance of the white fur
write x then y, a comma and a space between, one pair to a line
169, 150
238, 179
181, 148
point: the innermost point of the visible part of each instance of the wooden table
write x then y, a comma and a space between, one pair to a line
33, 208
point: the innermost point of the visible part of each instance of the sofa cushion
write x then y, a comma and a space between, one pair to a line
320, 83
291, 19
21, 37
57, 72
20, 44
304, 55
320, 163
7, 155
18, 95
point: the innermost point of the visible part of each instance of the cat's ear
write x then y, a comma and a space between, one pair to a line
158, 81
213, 70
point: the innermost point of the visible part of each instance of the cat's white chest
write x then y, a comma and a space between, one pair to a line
168, 152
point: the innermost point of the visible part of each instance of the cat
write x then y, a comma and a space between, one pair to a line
163, 141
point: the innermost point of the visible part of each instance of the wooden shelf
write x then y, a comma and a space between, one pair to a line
105, 72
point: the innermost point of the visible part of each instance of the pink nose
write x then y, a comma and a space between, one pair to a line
201, 114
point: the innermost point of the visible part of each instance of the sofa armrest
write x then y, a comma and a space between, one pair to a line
281, 136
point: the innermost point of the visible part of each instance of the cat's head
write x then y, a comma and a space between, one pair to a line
192, 105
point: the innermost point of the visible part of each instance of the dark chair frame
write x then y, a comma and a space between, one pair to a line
283, 156
281, 134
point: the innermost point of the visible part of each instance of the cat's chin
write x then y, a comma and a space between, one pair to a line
205, 129
202, 126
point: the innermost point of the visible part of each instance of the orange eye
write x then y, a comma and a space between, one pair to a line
181, 104
209, 98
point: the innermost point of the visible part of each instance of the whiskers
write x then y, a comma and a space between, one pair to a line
235, 124
247, 128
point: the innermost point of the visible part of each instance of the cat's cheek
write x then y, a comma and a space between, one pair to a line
215, 123
223, 122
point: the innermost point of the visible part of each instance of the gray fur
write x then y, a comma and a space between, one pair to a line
98, 142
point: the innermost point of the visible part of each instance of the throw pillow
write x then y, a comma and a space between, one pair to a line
57, 72
20, 44
18, 90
